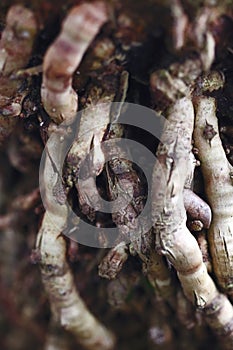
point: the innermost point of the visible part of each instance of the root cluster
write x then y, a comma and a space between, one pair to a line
172, 268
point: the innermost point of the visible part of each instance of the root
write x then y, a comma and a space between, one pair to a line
60, 101
197, 208
67, 307
64, 55
113, 262
219, 190
169, 218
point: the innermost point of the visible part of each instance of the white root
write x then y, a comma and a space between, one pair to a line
169, 218
219, 190
67, 307
169, 215
93, 124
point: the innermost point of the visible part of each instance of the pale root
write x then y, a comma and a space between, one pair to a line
219, 190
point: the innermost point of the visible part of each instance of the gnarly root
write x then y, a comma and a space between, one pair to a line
69, 311
67, 307
60, 102
175, 263
219, 190
169, 217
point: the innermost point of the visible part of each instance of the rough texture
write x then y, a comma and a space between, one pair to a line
219, 190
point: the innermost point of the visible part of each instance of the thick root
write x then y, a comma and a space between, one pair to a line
219, 190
